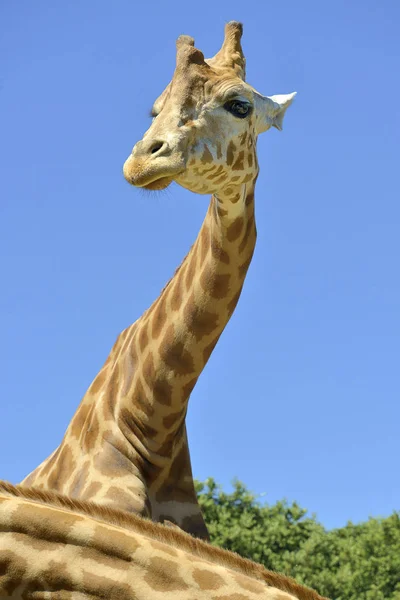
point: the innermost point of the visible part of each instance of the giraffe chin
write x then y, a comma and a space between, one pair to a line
158, 184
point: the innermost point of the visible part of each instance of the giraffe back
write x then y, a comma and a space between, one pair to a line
55, 547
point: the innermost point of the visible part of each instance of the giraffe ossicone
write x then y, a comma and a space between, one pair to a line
127, 446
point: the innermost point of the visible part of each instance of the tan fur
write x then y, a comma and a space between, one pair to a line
127, 445
173, 537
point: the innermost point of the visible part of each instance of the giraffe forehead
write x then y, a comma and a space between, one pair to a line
223, 88
197, 86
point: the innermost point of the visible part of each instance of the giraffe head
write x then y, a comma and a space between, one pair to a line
205, 123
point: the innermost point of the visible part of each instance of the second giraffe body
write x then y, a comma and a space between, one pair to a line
127, 444
55, 548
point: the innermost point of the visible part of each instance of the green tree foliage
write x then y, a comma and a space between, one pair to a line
356, 562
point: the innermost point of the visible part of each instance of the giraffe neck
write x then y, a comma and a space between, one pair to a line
127, 443
180, 330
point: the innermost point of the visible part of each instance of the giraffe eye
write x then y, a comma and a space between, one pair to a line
238, 108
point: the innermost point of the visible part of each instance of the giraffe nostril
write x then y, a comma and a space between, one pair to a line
156, 147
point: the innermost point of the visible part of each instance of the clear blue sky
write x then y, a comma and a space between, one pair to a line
301, 397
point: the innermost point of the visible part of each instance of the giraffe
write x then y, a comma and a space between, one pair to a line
127, 444
54, 547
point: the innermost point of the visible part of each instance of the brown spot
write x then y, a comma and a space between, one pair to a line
216, 173
190, 271
235, 229
250, 228
112, 390
99, 381
62, 469
243, 137
158, 318
207, 157
92, 489
148, 370
236, 198
101, 559
250, 159
244, 267
174, 353
204, 243
128, 368
77, 423
111, 588
37, 520
238, 164
199, 321
221, 179
207, 580
176, 294
136, 425
12, 571
171, 419
230, 153
80, 480
166, 448
162, 392
92, 431
39, 544
112, 461
123, 500
218, 252
160, 388
249, 198
141, 399
55, 576
143, 338
216, 284
163, 547
250, 585
221, 211
219, 151
163, 576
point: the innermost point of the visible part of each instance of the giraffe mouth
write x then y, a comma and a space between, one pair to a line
158, 184
151, 175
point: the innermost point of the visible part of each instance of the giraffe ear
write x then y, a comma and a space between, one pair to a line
270, 110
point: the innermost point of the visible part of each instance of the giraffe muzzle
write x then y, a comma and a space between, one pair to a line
153, 165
